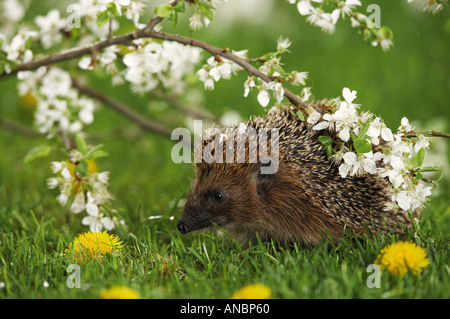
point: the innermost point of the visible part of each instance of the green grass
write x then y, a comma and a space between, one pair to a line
159, 262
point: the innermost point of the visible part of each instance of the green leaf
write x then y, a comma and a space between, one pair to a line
325, 140
81, 144
113, 9
97, 154
173, 18
91, 153
206, 5
28, 43
420, 157
330, 152
207, 12
163, 10
103, 18
429, 169
362, 146
180, 7
301, 115
418, 177
37, 152
83, 168
364, 130
385, 33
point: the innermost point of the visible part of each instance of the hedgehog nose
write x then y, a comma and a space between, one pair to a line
181, 226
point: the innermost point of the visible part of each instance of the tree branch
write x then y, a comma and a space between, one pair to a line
148, 32
74, 53
226, 54
171, 99
124, 110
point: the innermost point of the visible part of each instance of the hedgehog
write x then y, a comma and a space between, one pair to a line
303, 201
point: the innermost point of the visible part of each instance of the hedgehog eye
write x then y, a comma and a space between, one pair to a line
219, 195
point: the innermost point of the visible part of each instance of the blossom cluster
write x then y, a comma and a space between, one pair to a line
203, 13
365, 145
59, 105
316, 15
49, 28
218, 68
154, 63
106, 60
102, 11
432, 6
18, 49
11, 12
83, 187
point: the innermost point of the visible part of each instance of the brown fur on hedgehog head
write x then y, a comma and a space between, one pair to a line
227, 186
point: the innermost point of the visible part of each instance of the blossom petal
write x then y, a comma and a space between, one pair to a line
348, 95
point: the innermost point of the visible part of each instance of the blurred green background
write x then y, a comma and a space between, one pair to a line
412, 80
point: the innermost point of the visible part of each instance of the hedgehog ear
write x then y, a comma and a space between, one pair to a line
266, 177
265, 181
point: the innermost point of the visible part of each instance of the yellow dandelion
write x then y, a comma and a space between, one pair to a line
401, 256
94, 244
255, 291
119, 292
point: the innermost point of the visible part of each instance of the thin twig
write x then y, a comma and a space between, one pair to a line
428, 134
68, 143
171, 99
124, 110
18, 128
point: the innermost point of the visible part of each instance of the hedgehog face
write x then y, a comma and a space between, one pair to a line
221, 195
205, 209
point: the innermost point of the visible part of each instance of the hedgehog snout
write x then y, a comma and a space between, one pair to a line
182, 227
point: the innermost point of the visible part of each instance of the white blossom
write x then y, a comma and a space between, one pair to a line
163, 63
300, 78
16, 50
422, 142
96, 220
56, 167
263, 97
103, 177
195, 22
346, 7
52, 183
283, 44
313, 117
230, 118
405, 126
79, 203
50, 28
133, 11
305, 94
242, 129
62, 199
13, 10
386, 44
56, 82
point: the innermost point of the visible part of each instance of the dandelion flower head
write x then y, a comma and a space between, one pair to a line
94, 244
255, 291
119, 292
401, 256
